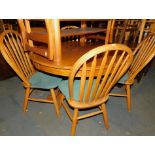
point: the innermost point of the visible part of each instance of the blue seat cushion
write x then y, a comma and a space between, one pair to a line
63, 86
44, 81
124, 78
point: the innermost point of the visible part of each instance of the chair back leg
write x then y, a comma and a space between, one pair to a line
27, 93
105, 115
128, 97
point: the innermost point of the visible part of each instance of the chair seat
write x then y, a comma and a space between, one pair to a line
63, 86
124, 78
44, 81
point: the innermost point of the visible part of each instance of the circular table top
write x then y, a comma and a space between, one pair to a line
71, 51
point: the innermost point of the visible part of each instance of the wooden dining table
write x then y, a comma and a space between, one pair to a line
59, 56
71, 52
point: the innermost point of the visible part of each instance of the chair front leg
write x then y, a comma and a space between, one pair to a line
60, 98
27, 93
55, 102
74, 123
105, 115
128, 90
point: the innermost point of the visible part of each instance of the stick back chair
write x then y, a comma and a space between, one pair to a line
106, 65
11, 46
143, 54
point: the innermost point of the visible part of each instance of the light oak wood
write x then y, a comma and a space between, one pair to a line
95, 86
11, 46
143, 54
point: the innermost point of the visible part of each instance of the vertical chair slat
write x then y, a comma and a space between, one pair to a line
115, 67
9, 49
21, 56
118, 70
19, 63
28, 65
18, 54
121, 69
82, 83
10, 52
100, 73
140, 48
104, 82
150, 52
150, 49
141, 54
140, 45
91, 79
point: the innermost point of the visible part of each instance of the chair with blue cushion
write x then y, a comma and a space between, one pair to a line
92, 77
11, 46
143, 54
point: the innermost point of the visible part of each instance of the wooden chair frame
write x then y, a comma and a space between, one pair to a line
106, 77
143, 54
11, 46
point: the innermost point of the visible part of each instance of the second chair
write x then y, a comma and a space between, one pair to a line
143, 54
91, 79
11, 46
